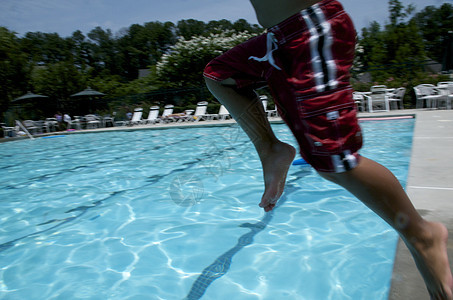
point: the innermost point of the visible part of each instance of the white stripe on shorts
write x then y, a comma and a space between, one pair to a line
317, 60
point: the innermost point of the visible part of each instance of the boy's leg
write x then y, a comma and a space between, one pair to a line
276, 156
377, 188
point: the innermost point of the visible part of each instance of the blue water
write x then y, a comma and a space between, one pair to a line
173, 214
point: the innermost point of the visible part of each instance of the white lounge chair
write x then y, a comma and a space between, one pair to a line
136, 117
222, 115
168, 110
153, 116
200, 112
187, 115
269, 112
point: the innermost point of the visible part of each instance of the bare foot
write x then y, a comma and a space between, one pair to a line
431, 258
276, 163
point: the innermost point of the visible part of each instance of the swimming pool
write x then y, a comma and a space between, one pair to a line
173, 214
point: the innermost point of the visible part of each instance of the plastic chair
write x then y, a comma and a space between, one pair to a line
378, 97
9, 131
108, 120
446, 90
30, 126
92, 121
426, 95
359, 100
397, 97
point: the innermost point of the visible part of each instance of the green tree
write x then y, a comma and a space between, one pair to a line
242, 25
14, 69
142, 46
435, 25
103, 52
190, 28
184, 64
395, 52
58, 81
80, 49
44, 48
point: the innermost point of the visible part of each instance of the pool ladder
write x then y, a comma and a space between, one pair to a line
18, 123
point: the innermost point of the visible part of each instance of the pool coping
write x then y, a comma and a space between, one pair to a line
211, 123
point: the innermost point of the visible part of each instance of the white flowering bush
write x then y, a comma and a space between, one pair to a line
359, 51
184, 63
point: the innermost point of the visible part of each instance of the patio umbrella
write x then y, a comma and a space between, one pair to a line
29, 96
26, 106
88, 93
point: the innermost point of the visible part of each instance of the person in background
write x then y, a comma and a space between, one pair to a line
67, 120
59, 118
129, 115
304, 57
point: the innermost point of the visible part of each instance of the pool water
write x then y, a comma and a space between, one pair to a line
173, 214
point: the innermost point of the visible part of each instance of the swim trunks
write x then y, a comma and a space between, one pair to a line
305, 61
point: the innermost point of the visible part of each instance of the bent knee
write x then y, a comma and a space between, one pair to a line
216, 86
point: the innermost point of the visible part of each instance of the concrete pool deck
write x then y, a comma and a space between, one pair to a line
430, 187
429, 184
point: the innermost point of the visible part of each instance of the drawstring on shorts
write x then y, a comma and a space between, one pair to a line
271, 44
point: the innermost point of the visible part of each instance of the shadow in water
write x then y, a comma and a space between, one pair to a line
222, 264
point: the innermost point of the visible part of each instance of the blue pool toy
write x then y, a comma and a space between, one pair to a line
299, 161
52, 136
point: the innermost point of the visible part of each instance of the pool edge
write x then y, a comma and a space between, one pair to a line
430, 187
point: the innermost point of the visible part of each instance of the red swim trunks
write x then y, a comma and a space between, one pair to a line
305, 61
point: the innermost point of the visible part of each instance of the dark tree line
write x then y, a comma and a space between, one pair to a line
58, 66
